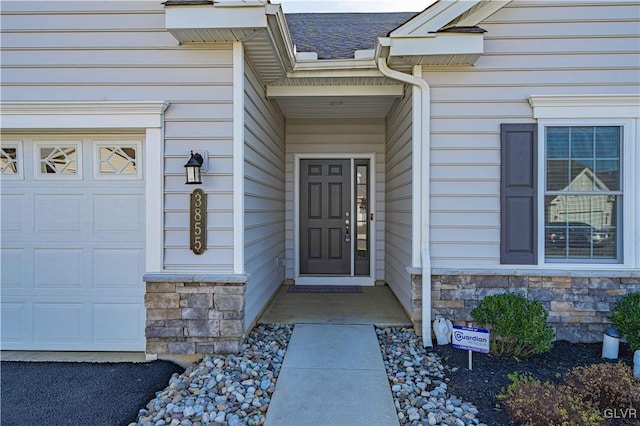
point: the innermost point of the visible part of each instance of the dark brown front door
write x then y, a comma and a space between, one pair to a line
325, 206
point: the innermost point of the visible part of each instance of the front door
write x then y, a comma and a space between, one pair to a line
325, 217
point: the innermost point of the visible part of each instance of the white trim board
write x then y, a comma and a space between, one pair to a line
333, 280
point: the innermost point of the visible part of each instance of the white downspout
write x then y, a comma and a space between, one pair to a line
421, 256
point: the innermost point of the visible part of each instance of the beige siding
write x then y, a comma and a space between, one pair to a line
120, 51
530, 48
337, 136
398, 200
264, 188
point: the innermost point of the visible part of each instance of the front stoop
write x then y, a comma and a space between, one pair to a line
198, 317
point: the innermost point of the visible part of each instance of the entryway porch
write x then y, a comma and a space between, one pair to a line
376, 305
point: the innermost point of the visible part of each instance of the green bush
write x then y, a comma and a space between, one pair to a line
605, 386
534, 403
518, 326
626, 319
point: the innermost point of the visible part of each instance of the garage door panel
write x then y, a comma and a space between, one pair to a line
12, 211
59, 213
118, 323
58, 268
13, 266
59, 322
118, 269
117, 215
13, 317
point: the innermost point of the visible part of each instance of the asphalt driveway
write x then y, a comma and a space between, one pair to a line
63, 393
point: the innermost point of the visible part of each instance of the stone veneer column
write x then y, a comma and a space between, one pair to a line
194, 314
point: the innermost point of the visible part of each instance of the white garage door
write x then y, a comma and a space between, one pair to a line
72, 243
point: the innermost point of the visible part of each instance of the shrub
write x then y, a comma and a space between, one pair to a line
606, 386
535, 403
518, 326
626, 319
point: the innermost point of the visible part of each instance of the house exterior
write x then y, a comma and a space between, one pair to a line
488, 146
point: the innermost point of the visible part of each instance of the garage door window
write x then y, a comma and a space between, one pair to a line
9, 160
117, 161
60, 161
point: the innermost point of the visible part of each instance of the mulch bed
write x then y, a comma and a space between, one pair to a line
489, 374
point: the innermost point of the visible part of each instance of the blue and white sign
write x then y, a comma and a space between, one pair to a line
470, 339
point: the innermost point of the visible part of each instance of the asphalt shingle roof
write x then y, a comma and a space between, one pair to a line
338, 35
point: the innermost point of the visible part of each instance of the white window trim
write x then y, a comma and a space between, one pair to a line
145, 115
596, 110
17, 144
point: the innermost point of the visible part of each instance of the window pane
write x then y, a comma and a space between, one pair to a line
118, 160
58, 160
607, 142
581, 226
557, 142
8, 161
557, 175
582, 176
582, 142
607, 175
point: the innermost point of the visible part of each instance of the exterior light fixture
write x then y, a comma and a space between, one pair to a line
192, 169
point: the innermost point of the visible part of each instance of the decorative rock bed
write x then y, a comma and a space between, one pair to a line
418, 382
230, 390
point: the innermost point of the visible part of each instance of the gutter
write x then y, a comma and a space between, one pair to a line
421, 162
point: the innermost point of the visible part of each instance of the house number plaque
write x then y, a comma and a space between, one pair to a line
198, 221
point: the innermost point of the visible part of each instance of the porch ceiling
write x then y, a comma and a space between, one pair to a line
336, 106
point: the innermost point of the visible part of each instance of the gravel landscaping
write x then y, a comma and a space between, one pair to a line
223, 389
418, 381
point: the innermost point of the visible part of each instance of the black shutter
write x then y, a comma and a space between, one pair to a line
518, 197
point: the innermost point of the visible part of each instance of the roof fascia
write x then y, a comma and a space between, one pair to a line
487, 9
280, 36
433, 18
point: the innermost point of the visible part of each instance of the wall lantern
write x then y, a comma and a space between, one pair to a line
194, 167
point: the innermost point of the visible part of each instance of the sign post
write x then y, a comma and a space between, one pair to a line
471, 339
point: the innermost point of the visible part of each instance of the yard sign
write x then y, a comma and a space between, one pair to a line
471, 339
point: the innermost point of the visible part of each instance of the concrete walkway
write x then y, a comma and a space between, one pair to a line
332, 375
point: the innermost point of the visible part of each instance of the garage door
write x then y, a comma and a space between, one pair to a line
72, 243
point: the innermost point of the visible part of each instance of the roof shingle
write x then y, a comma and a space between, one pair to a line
339, 35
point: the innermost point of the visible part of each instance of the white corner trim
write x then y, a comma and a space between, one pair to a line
81, 115
585, 106
154, 199
238, 158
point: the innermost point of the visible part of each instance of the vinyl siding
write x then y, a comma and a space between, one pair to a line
398, 230
120, 51
530, 48
335, 136
264, 195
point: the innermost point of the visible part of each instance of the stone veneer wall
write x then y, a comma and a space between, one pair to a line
578, 307
193, 317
